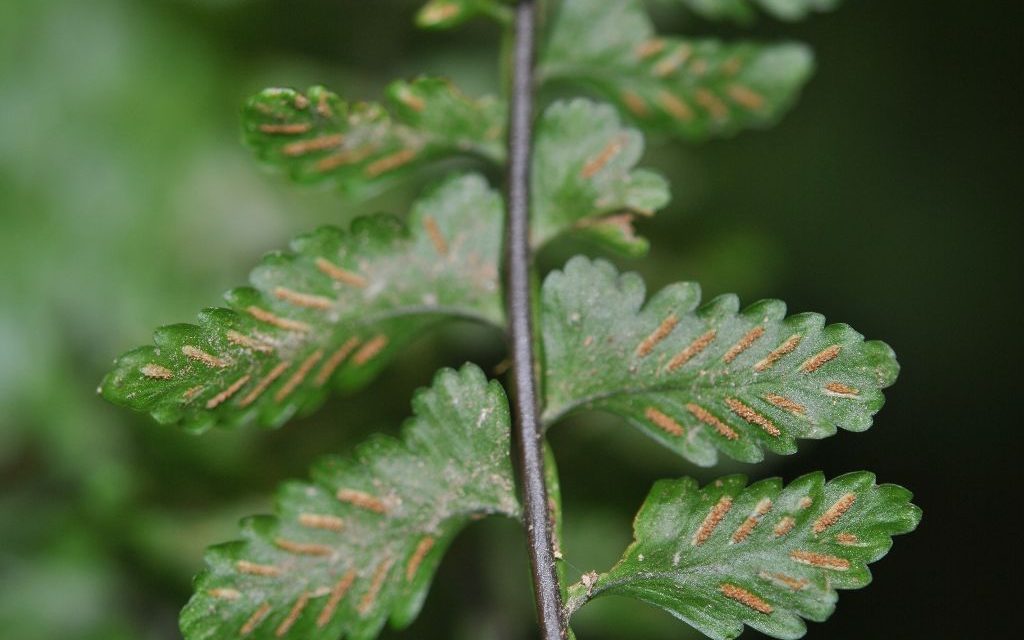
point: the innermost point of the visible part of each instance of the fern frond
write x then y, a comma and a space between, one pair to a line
584, 178
362, 542
445, 14
704, 378
330, 312
743, 11
363, 147
689, 88
727, 554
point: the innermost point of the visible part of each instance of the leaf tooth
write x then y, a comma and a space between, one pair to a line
655, 337
744, 343
692, 350
712, 520
370, 597
338, 592
258, 616
422, 549
753, 417
664, 422
323, 108
744, 597
788, 346
836, 511
821, 560
405, 95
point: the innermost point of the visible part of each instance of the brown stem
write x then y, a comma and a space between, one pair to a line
521, 337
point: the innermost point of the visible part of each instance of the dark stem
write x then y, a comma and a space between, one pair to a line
525, 406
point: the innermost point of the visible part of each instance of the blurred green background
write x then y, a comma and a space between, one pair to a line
889, 199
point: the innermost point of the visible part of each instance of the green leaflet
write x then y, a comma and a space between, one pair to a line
445, 14
336, 307
583, 177
690, 88
743, 11
361, 543
317, 136
765, 556
707, 378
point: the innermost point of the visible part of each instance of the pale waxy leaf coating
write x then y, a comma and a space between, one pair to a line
363, 147
332, 311
743, 11
700, 379
361, 543
584, 180
689, 88
766, 556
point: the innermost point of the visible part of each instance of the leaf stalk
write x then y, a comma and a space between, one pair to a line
526, 414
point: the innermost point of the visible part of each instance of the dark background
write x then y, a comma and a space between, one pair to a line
888, 198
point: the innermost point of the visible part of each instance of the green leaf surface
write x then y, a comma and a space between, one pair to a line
765, 556
584, 180
362, 542
743, 11
332, 310
689, 88
364, 147
445, 14
704, 378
